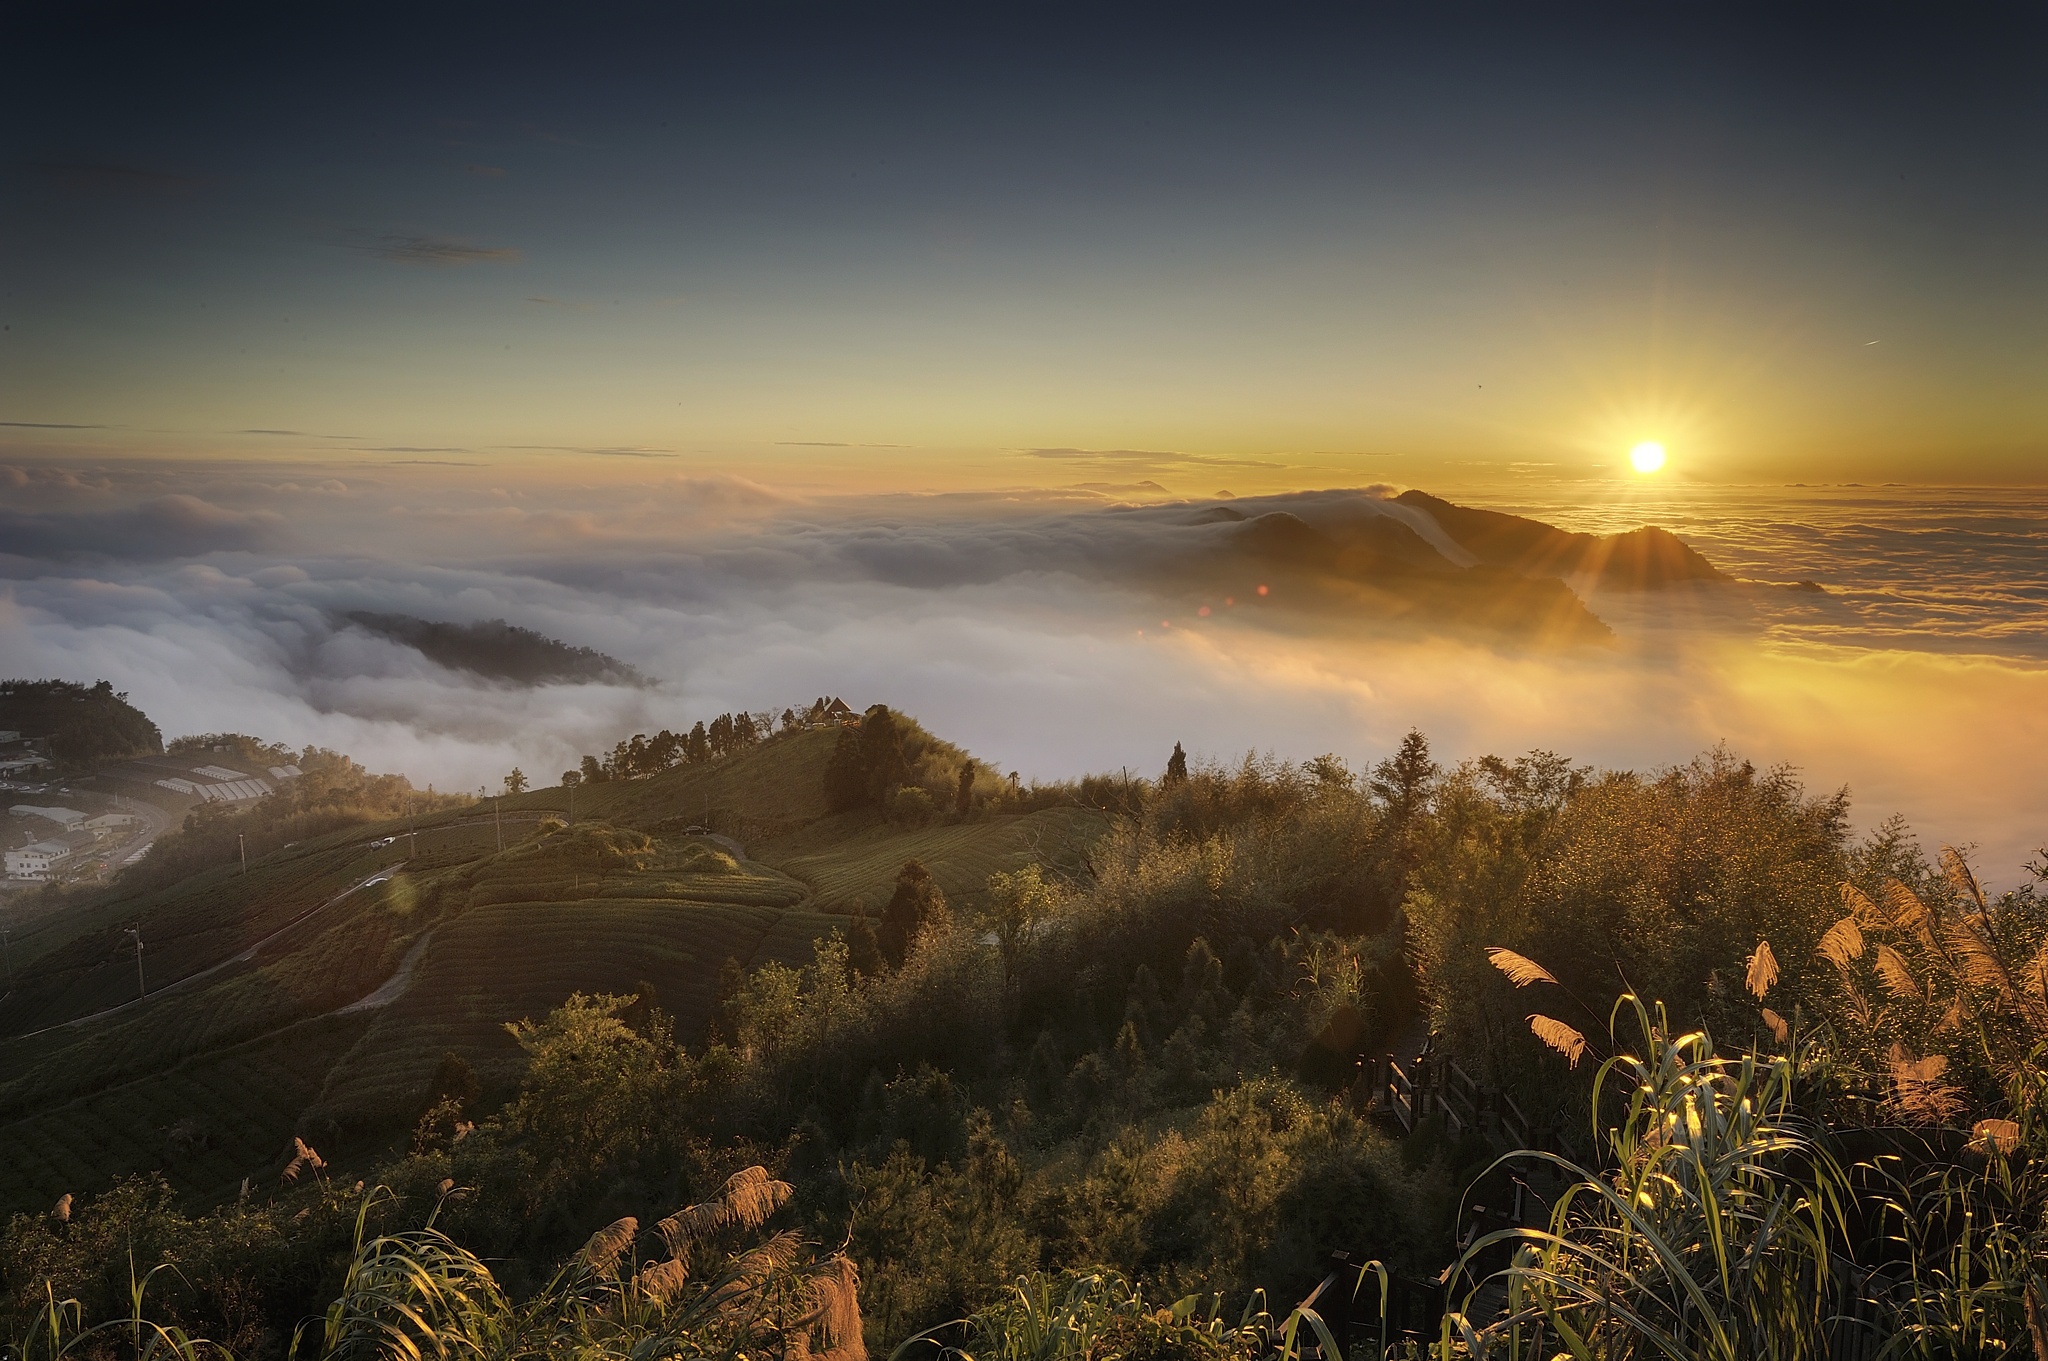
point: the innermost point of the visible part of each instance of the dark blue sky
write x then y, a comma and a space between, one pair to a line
1481, 236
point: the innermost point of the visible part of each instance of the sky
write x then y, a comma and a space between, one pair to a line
920, 246
907, 352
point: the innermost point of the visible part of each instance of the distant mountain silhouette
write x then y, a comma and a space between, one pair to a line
1641, 559
498, 651
1331, 558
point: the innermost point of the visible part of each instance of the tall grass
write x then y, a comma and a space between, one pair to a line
716, 1288
1712, 1234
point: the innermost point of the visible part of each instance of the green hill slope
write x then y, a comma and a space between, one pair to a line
319, 992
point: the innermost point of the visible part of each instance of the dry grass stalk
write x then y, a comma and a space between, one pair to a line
1957, 872
1559, 1036
1918, 1091
602, 1253
831, 1296
1976, 961
746, 1200
753, 1196
2002, 1136
304, 1159
2035, 975
1843, 943
1897, 975
1520, 969
1906, 912
757, 1264
1762, 973
61, 1211
660, 1281
1862, 911
1781, 1030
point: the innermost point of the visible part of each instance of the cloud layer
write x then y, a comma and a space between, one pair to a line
1037, 628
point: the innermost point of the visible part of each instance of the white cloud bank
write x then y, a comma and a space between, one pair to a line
1020, 626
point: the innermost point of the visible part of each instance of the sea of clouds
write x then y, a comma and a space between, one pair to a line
1028, 626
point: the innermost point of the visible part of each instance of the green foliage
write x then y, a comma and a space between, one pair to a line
916, 910
83, 727
1102, 1314
1711, 1234
332, 793
1666, 882
1081, 1057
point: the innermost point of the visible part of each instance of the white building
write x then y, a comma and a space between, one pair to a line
107, 822
66, 818
36, 862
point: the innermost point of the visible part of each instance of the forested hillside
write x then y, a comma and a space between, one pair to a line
79, 727
1128, 1042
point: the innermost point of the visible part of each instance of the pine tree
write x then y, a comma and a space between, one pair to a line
1401, 782
846, 776
1176, 768
963, 797
918, 906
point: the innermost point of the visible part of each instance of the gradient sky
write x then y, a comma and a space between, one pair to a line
894, 245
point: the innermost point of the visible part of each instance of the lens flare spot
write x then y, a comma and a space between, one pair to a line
1262, 590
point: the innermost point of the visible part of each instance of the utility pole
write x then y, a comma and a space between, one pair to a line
498, 822
572, 805
242, 845
412, 825
141, 988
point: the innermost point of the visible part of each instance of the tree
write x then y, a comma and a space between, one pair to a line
963, 796
515, 783
597, 849
720, 734
593, 770
881, 750
868, 763
1176, 768
846, 776
455, 1080
1017, 903
1401, 782
697, 746
917, 907
571, 778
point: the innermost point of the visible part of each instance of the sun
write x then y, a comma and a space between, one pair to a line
1647, 457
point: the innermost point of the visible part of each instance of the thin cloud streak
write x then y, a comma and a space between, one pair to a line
436, 251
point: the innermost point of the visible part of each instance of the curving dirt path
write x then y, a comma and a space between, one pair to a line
392, 988
246, 954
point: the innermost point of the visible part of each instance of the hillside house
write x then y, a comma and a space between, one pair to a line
37, 861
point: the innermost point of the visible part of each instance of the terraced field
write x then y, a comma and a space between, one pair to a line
859, 871
202, 922
205, 1124
501, 962
502, 914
